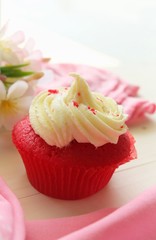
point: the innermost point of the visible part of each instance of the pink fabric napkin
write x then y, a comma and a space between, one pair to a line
133, 221
102, 81
11, 215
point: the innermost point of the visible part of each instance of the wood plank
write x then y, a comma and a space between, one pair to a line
123, 187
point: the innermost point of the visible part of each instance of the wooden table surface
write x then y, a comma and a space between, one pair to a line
128, 181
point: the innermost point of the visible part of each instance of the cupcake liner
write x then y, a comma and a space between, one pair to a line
65, 182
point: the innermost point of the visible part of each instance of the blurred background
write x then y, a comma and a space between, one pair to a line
122, 29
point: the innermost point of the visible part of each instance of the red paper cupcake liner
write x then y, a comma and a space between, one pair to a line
65, 182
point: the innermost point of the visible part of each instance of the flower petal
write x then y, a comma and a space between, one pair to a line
2, 91
17, 90
10, 57
18, 37
29, 45
3, 30
10, 119
24, 103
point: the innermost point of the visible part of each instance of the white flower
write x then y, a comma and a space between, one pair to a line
14, 50
10, 52
14, 103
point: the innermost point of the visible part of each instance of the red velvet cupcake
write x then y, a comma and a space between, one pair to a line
72, 141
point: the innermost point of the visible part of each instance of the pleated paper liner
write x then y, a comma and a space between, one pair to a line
66, 182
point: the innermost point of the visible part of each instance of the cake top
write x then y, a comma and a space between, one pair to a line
60, 116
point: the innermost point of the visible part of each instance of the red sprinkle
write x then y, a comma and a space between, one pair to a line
53, 91
79, 94
75, 104
92, 110
122, 126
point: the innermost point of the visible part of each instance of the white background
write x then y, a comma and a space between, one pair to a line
123, 29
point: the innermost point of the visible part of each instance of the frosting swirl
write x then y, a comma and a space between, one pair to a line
59, 116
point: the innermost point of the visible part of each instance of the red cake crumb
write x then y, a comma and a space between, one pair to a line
53, 91
75, 104
92, 110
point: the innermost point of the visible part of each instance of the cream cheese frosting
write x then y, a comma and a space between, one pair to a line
60, 116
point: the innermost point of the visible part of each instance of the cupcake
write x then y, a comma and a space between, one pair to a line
72, 141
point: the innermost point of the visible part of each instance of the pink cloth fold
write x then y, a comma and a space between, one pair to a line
56, 228
136, 220
102, 81
12, 225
